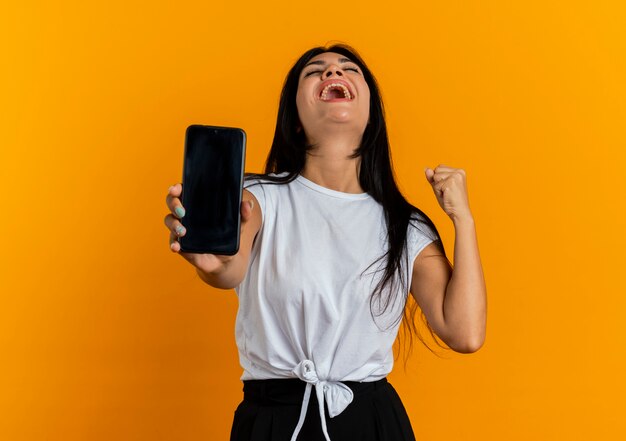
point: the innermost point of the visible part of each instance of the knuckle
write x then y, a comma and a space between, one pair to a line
176, 225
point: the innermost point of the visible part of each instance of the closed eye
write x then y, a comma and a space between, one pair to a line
319, 71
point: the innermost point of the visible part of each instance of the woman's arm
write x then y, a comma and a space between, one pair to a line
453, 300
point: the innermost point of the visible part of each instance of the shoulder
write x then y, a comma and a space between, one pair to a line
266, 189
430, 265
263, 181
264, 185
421, 231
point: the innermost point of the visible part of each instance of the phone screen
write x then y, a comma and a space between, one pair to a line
212, 189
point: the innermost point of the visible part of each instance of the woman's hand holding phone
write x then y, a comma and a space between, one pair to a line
207, 263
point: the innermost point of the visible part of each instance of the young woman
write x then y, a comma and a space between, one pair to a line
329, 251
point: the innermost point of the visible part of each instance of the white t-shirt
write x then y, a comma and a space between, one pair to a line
304, 304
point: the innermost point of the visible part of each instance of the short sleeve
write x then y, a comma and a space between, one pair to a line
255, 186
419, 235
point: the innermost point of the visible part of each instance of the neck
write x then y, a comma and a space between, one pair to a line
329, 164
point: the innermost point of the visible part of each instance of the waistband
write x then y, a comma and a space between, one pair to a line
285, 391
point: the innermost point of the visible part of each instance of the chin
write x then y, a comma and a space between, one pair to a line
344, 116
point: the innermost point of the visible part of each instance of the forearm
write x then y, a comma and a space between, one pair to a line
465, 303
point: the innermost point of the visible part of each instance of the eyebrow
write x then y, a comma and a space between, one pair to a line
323, 63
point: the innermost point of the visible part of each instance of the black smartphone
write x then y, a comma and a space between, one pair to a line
213, 170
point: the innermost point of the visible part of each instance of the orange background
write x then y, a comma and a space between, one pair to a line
106, 335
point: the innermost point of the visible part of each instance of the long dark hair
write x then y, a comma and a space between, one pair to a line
288, 155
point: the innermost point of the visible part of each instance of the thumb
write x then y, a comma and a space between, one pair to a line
246, 209
429, 174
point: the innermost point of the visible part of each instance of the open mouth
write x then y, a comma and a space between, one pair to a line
335, 91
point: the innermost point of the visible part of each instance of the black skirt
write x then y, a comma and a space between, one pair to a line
271, 408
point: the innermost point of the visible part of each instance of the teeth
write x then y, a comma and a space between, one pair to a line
346, 92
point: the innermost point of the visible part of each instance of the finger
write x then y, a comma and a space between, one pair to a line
247, 207
176, 190
446, 171
173, 201
429, 174
434, 176
444, 168
174, 225
441, 176
456, 177
438, 173
439, 190
441, 186
174, 245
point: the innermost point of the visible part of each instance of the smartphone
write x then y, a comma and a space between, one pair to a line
213, 169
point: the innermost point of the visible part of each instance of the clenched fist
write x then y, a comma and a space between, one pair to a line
450, 188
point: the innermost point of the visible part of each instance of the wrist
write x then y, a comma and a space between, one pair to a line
215, 270
463, 219
210, 277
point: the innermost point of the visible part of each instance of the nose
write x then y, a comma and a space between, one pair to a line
332, 70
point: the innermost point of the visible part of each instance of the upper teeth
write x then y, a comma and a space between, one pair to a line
346, 92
